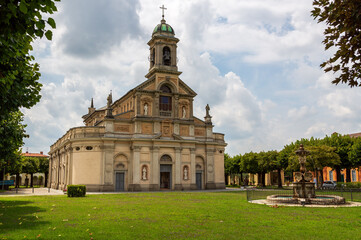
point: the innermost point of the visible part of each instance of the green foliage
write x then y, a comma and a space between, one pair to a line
343, 144
76, 190
343, 32
12, 132
352, 185
30, 165
43, 165
20, 23
355, 153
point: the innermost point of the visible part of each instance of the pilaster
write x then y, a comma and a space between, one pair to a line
177, 170
155, 168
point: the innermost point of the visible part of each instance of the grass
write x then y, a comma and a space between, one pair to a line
170, 215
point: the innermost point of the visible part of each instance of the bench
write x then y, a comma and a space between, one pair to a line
6, 184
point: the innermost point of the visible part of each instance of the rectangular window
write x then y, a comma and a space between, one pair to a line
165, 103
331, 175
353, 174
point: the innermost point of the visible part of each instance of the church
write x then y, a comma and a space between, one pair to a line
147, 140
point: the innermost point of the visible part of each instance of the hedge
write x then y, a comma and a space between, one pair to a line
76, 190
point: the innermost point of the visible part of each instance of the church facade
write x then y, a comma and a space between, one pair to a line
149, 139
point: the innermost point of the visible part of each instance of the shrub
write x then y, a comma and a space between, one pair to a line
76, 190
353, 185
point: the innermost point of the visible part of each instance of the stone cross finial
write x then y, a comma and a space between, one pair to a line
163, 8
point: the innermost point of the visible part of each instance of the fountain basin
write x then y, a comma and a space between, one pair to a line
319, 200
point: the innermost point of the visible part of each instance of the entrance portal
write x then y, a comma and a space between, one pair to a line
165, 176
199, 180
119, 182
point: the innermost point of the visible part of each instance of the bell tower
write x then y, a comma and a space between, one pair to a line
163, 49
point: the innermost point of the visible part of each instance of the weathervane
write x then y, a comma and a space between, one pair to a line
163, 8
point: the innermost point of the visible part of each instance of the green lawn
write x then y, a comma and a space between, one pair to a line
170, 215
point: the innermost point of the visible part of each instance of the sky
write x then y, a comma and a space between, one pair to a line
256, 63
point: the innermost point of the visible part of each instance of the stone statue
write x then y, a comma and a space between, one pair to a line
109, 100
207, 110
144, 176
185, 173
183, 112
145, 109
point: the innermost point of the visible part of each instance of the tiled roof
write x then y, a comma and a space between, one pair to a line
34, 155
355, 134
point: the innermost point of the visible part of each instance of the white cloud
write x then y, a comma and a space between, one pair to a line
256, 63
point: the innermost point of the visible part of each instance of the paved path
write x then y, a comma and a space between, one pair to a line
47, 191
29, 192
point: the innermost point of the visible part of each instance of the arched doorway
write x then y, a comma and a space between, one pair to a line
120, 170
165, 180
199, 172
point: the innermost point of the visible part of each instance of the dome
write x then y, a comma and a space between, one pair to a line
163, 28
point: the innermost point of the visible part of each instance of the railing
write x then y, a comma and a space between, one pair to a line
79, 132
350, 194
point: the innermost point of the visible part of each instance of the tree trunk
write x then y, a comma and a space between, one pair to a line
46, 180
338, 174
259, 179
31, 179
321, 173
348, 175
17, 179
317, 182
263, 179
1, 175
241, 179
279, 178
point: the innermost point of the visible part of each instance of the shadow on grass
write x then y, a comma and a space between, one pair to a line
18, 215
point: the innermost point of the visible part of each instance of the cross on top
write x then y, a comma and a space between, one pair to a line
163, 8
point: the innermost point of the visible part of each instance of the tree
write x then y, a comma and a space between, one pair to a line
355, 153
21, 22
231, 165
30, 166
343, 145
248, 163
343, 32
15, 167
276, 163
44, 168
320, 157
12, 134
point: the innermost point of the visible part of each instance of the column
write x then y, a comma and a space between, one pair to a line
176, 110
209, 168
50, 174
136, 168
108, 169
137, 106
191, 108
155, 169
193, 168
177, 169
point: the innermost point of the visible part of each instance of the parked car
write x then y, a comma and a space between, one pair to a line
329, 185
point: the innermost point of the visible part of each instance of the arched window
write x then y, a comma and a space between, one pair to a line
165, 101
152, 58
166, 56
165, 89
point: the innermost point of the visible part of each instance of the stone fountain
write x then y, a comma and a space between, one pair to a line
304, 188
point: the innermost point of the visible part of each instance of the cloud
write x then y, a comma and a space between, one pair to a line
94, 27
256, 63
